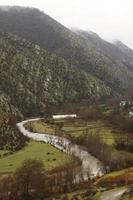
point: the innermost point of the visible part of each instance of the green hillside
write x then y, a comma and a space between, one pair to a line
41, 29
115, 51
33, 79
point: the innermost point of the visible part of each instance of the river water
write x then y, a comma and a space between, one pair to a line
91, 167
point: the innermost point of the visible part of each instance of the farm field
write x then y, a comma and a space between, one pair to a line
51, 157
40, 126
99, 128
124, 176
91, 127
77, 128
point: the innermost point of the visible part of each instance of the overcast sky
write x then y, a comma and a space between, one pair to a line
111, 19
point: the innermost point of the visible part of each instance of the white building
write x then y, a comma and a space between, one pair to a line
131, 114
124, 103
64, 116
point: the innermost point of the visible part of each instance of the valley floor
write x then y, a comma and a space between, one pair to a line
51, 157
54, 158
112, 180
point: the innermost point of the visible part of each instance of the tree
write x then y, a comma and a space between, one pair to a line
31, 177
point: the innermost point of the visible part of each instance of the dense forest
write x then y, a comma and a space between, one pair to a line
103, 60
33, 79
44, 65
11, 139
46, 69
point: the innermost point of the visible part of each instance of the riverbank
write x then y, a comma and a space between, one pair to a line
91, 166
89, 163
114, 179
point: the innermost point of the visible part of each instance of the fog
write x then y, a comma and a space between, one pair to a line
112, 20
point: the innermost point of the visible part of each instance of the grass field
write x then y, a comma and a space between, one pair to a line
41, 126
78, 128
50, 156
97, 127
118, 173
124, 176
2, 152
79, 195
127, 196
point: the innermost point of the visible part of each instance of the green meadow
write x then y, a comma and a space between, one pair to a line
50, 156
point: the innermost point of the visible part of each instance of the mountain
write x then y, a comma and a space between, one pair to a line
33, 80
117, 51
75, 48
101, 45
127, 52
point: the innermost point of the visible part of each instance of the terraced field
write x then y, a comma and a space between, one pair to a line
77, 129
92, 127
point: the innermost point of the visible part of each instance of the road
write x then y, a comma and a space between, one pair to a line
113, 194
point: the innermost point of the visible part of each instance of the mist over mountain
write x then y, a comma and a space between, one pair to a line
116, 50
128, 52
66, 110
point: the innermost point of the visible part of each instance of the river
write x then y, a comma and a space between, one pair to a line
91, 167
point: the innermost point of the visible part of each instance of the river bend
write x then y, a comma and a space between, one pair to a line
91, 166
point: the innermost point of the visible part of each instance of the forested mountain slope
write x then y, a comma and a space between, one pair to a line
117, 51
32, 79
77, 50
127, 52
